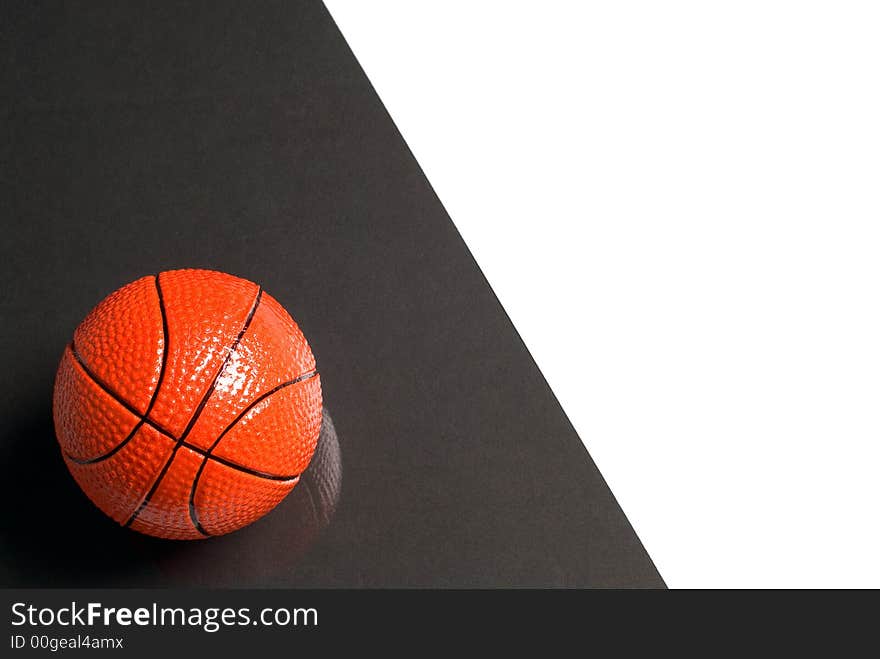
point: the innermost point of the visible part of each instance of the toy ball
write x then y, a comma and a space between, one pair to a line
187, 404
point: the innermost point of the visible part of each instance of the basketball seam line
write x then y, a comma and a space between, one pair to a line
143, 417
259, 399
199, 408
267, 475
163, 431
92, 376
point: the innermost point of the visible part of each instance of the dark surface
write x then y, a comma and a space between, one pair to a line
246, 138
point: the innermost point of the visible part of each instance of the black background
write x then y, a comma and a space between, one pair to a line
244, 137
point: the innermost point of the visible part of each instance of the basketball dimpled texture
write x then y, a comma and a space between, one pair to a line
187, 404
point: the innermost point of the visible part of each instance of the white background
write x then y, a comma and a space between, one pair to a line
678, 204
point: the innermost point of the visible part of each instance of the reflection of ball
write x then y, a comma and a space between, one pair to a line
274, 547
188, 404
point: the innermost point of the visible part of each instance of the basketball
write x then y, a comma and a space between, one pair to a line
187, 404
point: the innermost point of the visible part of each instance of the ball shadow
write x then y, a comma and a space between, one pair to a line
53, 536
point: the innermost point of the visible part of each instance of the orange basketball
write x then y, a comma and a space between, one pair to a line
187, 404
